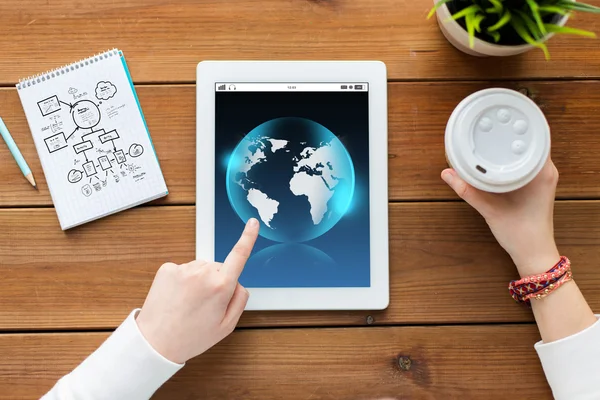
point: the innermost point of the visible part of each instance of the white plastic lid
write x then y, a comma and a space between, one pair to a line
497, 140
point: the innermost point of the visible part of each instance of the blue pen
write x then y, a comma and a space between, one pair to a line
12, 146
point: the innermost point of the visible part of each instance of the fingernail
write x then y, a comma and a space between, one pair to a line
253, 223
447, 177
247, 292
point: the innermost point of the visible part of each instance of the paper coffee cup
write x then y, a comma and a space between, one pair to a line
497, 140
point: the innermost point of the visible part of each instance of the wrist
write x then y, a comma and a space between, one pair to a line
537, 263
154, 334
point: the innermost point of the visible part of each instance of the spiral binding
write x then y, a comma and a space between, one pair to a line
65, 69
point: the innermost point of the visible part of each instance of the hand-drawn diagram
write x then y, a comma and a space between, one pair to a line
56, 142
74, 92
136, 150
49, 105
120, 156
86, 114
105, 90
104, 163
86, 190
56, 124
89, 168
83, 130
105, 137
75, 176
83, 146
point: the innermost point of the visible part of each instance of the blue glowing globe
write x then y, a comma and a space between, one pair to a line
292, 174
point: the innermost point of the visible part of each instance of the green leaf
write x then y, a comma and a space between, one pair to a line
530, 25
537, 17
495, 35
498, 6
570, 31
503, 21
570, 5
470, 29
436, 6
477, 22
471, 10
519, 26
554, 10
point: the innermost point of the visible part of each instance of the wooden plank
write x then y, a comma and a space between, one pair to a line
445, 267
417, 117
418, 114
357, 363
163, 41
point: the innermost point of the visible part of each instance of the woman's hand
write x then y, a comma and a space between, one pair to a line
521, 221
191, 307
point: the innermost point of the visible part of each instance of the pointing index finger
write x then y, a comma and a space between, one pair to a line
236, 260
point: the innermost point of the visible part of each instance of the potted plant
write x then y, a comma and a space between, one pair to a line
506, 27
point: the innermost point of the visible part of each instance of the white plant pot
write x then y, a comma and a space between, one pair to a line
459, 37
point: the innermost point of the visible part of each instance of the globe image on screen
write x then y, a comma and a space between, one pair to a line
272, 262
292, 174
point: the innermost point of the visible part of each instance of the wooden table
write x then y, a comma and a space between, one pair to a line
451, 330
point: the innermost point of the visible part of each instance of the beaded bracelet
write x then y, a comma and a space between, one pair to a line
539, 282
559, 269
551, 288
539, 286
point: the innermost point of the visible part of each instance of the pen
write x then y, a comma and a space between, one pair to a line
12, 147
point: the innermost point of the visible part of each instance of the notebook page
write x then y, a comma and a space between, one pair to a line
92, 139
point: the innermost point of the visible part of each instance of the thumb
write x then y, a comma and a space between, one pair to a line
468, 193
236, 306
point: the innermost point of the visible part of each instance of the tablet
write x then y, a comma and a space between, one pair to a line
302, 147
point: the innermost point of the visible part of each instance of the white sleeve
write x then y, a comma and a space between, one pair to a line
125, 366
572, 365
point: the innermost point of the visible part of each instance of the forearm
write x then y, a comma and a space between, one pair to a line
565, 311
125, 366
570, 346
562, 314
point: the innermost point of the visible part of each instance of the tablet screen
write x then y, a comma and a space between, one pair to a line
295, 156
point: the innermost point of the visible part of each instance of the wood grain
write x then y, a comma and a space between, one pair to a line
445, 267
357, 363
164, 40
418, 113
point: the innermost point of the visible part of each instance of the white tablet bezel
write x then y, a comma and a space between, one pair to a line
375, 297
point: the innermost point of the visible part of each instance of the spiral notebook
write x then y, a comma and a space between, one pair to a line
92, 138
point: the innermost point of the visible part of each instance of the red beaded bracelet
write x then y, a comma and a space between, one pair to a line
551, 288
541, 285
